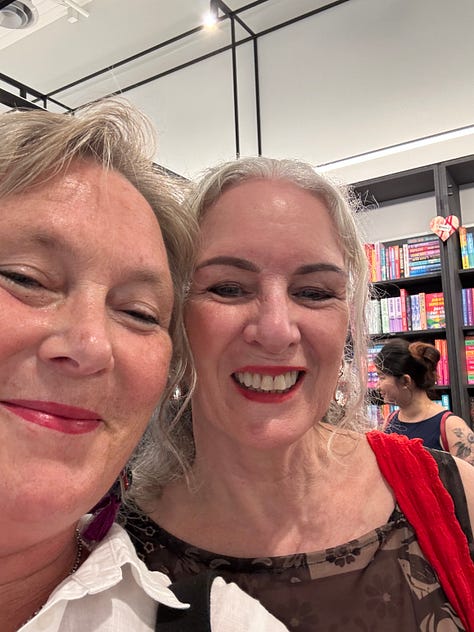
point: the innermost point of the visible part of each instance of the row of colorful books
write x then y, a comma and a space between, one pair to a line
442, 369
466, 242
414, 256
469, 349
407, 312
377, 414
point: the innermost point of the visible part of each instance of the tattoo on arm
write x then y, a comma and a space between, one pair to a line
464, 447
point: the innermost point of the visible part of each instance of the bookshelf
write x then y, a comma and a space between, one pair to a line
411, 199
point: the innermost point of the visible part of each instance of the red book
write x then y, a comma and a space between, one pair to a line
403, 307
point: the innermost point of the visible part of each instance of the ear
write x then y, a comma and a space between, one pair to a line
406, 380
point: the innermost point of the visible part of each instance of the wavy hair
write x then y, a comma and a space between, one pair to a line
341, 206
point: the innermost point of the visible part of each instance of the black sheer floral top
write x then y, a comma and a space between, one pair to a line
379, 582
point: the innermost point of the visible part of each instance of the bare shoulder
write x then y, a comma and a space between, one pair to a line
466, 472
460, 439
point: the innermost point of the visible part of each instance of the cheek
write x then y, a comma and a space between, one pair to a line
145, 380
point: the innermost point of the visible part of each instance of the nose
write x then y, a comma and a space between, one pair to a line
78, 342
273, 325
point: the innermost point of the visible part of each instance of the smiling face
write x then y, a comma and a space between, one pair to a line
391, 388
86, 298
267, 317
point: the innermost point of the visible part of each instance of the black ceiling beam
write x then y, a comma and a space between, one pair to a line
15, 101
298, 18
193, 61
233, 15
26, 90
142, 53
4, 3
153, 49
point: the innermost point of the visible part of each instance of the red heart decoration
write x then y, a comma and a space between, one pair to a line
444, 227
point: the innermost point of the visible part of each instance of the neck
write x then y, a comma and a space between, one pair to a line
259, 505
419, 407
28, 576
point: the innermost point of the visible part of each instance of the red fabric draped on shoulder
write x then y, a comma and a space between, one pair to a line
412, 473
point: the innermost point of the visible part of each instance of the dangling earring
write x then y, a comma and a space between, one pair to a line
340, 394
105, 512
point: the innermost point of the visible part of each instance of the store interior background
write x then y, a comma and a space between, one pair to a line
352, 76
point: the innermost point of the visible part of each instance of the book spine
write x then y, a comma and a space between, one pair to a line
403, 309
463, 246
406, 271
421, 239
415, 311
440, 368
444, 356
445, 402
409, 316
378, 270
396, 258
469, 307
470, 248
384, 315
423, 323
391, 315
465, 317
398, 313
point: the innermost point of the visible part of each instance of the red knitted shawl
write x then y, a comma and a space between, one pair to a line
412, 473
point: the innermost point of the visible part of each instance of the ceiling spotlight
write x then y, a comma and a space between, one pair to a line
19, 14
210, 19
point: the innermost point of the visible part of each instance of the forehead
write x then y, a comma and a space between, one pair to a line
270, 212
89, 213
85, 196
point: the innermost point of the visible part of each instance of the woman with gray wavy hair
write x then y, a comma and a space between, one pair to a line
96, 250
271, 475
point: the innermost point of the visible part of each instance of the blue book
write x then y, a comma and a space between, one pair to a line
470, 248
445, 401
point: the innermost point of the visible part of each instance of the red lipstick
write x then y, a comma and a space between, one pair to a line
59, 417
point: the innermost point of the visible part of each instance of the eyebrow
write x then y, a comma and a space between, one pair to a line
55, 244
243, 264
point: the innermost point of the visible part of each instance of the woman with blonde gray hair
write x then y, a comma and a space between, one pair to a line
271, 476
96, 249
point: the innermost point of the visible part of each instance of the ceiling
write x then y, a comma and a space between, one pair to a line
317, 80
122, 44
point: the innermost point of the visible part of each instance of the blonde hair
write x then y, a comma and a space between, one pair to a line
37, 146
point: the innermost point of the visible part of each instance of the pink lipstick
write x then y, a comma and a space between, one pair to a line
59, 417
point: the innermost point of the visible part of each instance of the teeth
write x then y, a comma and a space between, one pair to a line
256, 380
267, 383
247, 379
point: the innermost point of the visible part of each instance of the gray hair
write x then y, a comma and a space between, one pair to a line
37, 146
341, 206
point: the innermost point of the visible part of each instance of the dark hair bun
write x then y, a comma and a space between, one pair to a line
425, 353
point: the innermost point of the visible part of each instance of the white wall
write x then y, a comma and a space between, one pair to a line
358, 77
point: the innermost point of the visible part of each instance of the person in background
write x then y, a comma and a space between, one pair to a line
95, 252
265, 477
407, 373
